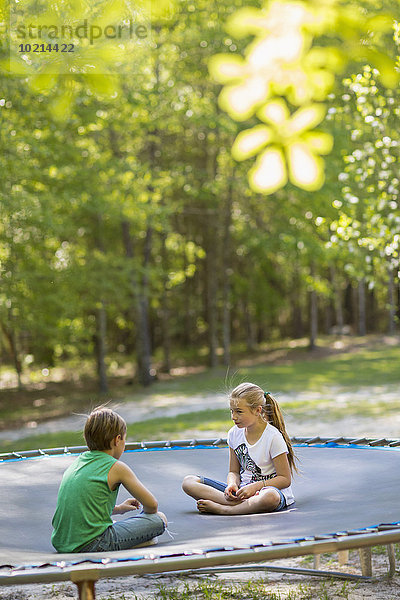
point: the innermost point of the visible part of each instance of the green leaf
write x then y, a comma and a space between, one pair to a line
269, 172
249, 142
102, 84
240, 101
275, 112
110, 12
16, 66
306, 118
246, 21
305, 169
328, 58
44, 81
319, 141
380, 23
386, 66
224, 68
61, 107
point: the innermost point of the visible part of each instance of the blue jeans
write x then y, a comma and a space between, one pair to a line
127, 533
219, 485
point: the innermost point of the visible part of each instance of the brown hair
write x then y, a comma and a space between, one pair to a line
271, 413
101, 427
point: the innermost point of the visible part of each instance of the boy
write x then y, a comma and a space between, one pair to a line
88, 492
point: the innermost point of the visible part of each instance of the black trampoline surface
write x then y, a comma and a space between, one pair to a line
338, 489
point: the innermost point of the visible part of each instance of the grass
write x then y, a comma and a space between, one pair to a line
369, 366
151, 429
254, 589
320, 376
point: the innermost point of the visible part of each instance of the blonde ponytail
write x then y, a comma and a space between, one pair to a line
275, 417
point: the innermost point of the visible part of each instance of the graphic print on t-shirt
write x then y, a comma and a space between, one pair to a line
247, 463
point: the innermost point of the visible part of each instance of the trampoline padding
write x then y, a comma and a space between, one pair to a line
338, 489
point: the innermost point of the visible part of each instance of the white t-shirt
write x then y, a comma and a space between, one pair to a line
256, 459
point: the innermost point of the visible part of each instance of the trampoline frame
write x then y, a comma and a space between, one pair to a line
85, 572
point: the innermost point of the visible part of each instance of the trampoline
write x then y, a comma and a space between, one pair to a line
346, 497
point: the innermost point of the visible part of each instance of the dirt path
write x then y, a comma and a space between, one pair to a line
274, 586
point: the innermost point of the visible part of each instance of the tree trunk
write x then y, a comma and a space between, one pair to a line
165, 315
362, 308
349, 306
328, 312
100, 336
398, 301
248, 326
212, 252
313, 300
338, 300
313, 319
297, 324
139, 294
226, 273
211, 295
188, 310
10, 336
392, 304
101, 348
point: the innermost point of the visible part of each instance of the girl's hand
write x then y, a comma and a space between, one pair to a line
247, 491
231, 492
129, 504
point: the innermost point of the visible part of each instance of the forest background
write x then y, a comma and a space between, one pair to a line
131, 237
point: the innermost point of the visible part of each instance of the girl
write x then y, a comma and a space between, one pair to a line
261, 460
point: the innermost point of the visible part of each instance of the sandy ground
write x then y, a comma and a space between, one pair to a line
284, 586
274, 586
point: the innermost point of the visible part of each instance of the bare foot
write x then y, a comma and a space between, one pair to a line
151, 542
208, 506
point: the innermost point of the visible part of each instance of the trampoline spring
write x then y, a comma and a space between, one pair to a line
380, 442
133, 446
314, 440
388, 526
362, 531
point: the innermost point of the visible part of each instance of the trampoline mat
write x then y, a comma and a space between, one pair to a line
338, 489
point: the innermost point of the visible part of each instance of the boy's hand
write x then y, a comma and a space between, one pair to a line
129, 504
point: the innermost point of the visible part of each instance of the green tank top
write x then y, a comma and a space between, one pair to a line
85, 502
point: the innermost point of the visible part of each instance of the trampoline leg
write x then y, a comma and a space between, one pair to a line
343, 556
86, 590
317, 561
392, 560
85, 579
366, 561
